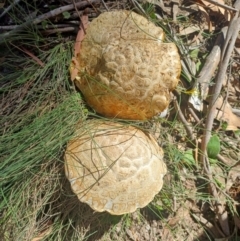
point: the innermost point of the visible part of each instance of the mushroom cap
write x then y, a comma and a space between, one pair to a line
114, 167
126, 71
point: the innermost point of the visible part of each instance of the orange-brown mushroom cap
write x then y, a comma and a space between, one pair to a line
125, 68
114, 167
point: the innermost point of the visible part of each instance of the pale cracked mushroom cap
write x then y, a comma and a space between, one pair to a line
114, 167
126, 71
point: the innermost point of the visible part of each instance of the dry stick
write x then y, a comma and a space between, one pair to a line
105, 5
194, 115
4, 37
9, 8
222, 5
59, 30
211, 63
208, 225
79, 16
96, 10
237, 51
228, 46
183, 120
11, 27
236, 111
219, 81
222, 159
233, 28
175, 9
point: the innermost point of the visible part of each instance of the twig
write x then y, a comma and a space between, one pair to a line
225, 99
192, 112
183, 120
219, 81
79, 16
225, 56
186, 63
211, 64
11, 27
222, 159
59, 30
206, 224
105, 5
96, 10
4, 37
231, 35
175, 9
9, 8
237, 51
222, 5
236, 111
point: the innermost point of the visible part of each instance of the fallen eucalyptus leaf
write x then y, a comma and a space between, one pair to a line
224, 113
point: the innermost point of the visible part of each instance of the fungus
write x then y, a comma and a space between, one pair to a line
114, 167
125, 68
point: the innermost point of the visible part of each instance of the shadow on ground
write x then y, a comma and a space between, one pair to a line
89, 224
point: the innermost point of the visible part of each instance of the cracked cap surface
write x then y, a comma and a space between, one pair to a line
114, 167
126, 71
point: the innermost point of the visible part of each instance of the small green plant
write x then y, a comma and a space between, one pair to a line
66, 15
213, 147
